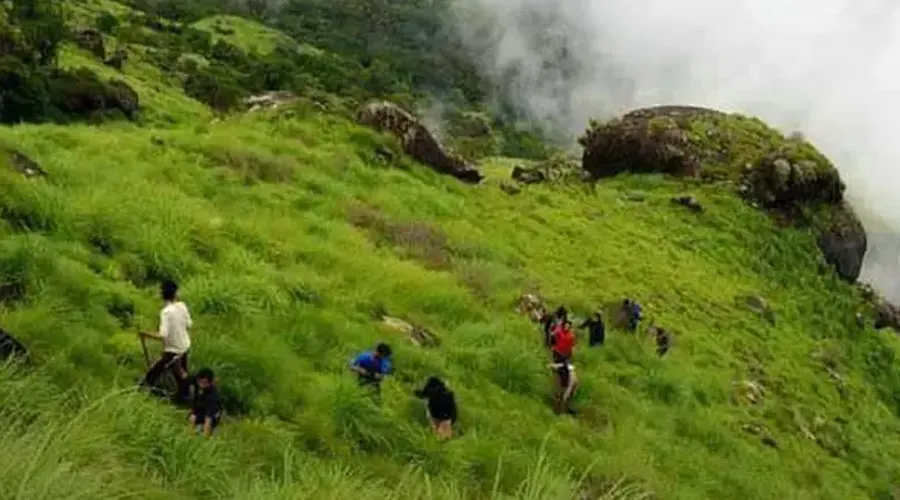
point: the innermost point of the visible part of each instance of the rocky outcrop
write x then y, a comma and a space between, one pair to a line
843, 242
269, 100
532, 306
887, 315
555, 169
22, 163
783, 174
92, 41
416, 140
689, 202
125, 98
416, 334
118, 59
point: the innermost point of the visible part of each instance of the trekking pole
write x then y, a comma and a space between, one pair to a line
146, 353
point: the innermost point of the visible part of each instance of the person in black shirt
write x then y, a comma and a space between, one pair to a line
207, 405
441, 406
596, 328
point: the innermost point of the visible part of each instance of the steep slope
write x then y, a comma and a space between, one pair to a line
288, 230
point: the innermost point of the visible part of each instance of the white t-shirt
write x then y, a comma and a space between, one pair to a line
174, 323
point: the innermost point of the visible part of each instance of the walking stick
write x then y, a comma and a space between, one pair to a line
146, 353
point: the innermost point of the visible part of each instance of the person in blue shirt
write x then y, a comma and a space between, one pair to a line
372, 366
634, 313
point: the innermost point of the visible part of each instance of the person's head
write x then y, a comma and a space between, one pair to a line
561, 313
205, 378
626, 303
434, 385
169, 290
383, 350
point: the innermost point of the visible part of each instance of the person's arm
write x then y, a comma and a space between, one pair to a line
356, 365
207, 426
163, 327
387, 367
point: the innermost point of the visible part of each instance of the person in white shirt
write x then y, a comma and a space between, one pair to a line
174, 325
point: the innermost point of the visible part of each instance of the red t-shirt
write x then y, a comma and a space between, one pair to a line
563, 340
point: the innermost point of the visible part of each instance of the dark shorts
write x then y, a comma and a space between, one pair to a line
201, 421
560, 358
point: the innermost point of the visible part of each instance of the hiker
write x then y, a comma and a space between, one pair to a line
551, 322
174, 323
207, 407
633, 314
10, 347
562, 342
441, 406
566, 383
663, 341
372, 366
597, 329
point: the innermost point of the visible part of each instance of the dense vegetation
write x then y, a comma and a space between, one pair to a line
289, 232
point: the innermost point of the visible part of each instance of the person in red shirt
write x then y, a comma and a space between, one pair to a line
562, 342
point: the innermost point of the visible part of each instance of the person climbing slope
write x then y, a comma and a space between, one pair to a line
372, 366
565, 386
633, 313
441, 406
562, 343
207, 407
597, 329
174, 325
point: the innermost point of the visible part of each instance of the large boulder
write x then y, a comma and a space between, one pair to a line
688, 141
125, 98
92, 41
415, 139
783, 174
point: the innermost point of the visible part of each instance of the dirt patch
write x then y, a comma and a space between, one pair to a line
251, 167
418, 240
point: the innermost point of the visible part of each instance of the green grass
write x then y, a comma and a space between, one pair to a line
286, 233
246, 34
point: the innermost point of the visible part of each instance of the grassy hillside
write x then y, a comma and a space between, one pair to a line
287, 231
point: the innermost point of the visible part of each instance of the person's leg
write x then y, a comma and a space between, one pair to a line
179, 369
444, 430
157, 370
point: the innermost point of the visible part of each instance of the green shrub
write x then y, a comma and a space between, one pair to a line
107, 23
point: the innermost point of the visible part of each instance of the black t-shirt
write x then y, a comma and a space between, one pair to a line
207, 402
442, 406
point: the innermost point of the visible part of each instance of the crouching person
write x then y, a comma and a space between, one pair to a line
441, 406
207, 404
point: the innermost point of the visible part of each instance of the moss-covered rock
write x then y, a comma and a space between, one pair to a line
557, 168
688, 141
783, 174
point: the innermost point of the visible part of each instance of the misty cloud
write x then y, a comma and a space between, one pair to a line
827, 68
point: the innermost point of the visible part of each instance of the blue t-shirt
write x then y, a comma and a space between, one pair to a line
372, 364
635, 311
